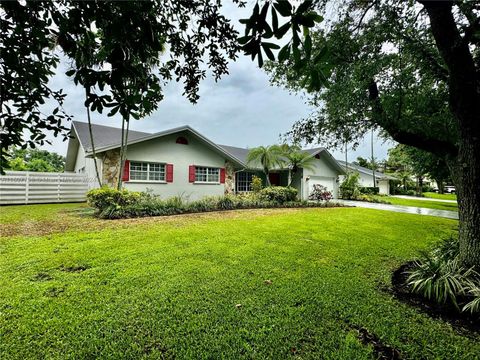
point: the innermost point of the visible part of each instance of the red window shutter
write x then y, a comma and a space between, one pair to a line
169, 168
191, 173
126, 171
222, 176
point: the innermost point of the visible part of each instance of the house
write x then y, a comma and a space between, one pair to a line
382, 181
183, 162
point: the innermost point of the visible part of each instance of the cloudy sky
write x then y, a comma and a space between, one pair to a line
242, 109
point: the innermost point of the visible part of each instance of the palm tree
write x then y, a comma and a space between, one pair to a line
267, 156
294, 158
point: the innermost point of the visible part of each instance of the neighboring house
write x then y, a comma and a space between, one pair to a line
382, 181
183, 162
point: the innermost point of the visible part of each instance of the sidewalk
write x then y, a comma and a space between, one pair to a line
402, 209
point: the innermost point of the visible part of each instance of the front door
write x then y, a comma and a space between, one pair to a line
274, 179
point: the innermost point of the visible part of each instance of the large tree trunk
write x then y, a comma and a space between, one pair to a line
466, 176
464, 91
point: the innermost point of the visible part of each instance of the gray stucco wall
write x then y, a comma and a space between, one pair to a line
166, 150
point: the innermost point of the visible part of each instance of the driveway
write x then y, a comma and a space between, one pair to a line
402, 209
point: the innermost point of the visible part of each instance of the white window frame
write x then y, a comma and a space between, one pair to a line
208, 172
242, 182
163, 169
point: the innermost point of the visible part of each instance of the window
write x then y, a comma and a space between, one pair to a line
244, 181
207, 174
147, 171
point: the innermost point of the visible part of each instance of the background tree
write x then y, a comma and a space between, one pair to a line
294, 159
268, 157
408, 69
36, 160
117, 53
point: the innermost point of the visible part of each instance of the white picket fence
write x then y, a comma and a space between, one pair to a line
24, 187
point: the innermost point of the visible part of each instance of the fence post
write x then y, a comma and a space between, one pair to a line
27, 183
58, 187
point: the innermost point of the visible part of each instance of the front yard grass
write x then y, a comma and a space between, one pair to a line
422, 203
434, 195
241, 284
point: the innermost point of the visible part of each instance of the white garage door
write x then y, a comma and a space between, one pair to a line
329, 183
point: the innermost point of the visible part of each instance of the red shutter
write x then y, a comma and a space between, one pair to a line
191, 173
169, 172
126, 171
222, 176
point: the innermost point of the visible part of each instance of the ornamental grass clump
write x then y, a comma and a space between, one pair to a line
439, 276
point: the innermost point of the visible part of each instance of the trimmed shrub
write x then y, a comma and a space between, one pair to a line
114, 204
105, 196
256, 184
278, 194
349, 188
369, 190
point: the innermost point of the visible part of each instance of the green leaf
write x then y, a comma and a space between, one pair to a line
322, 55
308, 46
304, 6
274, 20
243, 40
282, 30
70, 72
270, 45
284, 53
296, 54
268, 52
260, 59
283, 7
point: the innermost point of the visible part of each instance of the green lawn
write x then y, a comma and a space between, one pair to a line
422, 203
242, 284
433, 195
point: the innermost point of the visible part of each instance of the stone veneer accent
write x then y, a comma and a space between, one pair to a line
110, 168
229, 178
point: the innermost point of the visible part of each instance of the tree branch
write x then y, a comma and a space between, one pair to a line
420, 141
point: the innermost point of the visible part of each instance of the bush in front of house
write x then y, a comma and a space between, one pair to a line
256, 184
115, 204
350, 188
320, 193
369, 190
278, 194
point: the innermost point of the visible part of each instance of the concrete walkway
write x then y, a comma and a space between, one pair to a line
424, 198
402, 209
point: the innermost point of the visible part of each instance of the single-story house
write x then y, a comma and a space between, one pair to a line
382, 181
183, 162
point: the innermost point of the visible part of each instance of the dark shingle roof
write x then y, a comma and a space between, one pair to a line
239, 153
103, 135
378, 174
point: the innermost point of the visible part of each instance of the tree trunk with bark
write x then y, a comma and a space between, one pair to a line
464, 90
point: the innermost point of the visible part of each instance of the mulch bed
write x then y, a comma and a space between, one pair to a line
462, 322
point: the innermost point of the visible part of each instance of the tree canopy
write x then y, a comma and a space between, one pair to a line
36, 160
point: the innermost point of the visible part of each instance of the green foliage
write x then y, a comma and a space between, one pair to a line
111, 203
438, 276
256, 184
120, 62
278, 194
368, 190
266, 157
106, 197
35, 160
350, 188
